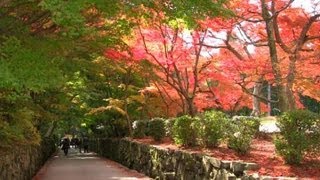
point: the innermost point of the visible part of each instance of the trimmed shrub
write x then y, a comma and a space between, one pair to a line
211, 128
299, 133
184, 131
157, 129
169, 123
242, 130
140, 128
252, 122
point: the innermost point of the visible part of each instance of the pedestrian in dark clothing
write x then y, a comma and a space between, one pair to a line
76, 143
85, 145
72, 143
65, 145
79, 144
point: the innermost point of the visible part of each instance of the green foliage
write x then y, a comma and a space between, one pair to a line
299, 133
251, 123
19, 130
36, 71
25, 76
242, 130
310, 103
157, 129
48, 63
67, 14
212, 127
184, 131
240, 142
189, 11
140, 128
193, 9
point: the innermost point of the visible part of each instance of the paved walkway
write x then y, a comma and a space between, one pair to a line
84, 166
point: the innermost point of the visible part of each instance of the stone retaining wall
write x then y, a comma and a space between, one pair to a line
171, 164
23, 162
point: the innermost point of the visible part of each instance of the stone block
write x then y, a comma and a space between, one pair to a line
254, 176
216, 163
225, 164
251, 166
232, 176
237, 167
207, 166
169, 175
213, 174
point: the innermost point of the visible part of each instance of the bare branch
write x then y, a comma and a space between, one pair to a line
303, 35
276, 27
257, 96
250, 20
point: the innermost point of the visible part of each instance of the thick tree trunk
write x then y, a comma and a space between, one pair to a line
290, 80
284, 91
190, 107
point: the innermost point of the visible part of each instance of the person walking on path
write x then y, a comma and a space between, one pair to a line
65, 146
79, 144
85, 145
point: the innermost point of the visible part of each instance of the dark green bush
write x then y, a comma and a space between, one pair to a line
211, 128
299, 133
140, 128
169, 123
157, 129
242, 130
184, 131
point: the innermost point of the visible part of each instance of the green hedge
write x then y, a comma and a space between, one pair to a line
140, 128
184, 131
211, 128
299, 133
157, 128
241, 131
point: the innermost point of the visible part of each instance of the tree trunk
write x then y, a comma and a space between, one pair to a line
256, 109
269, 100
190, 107
284, 93
290, 81
128, 122
127, 80
51, 129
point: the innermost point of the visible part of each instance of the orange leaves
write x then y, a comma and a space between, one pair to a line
236, 57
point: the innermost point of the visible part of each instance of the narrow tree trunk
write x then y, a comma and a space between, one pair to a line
128, 120
256, 109
127, 80
51, 129
269, 100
